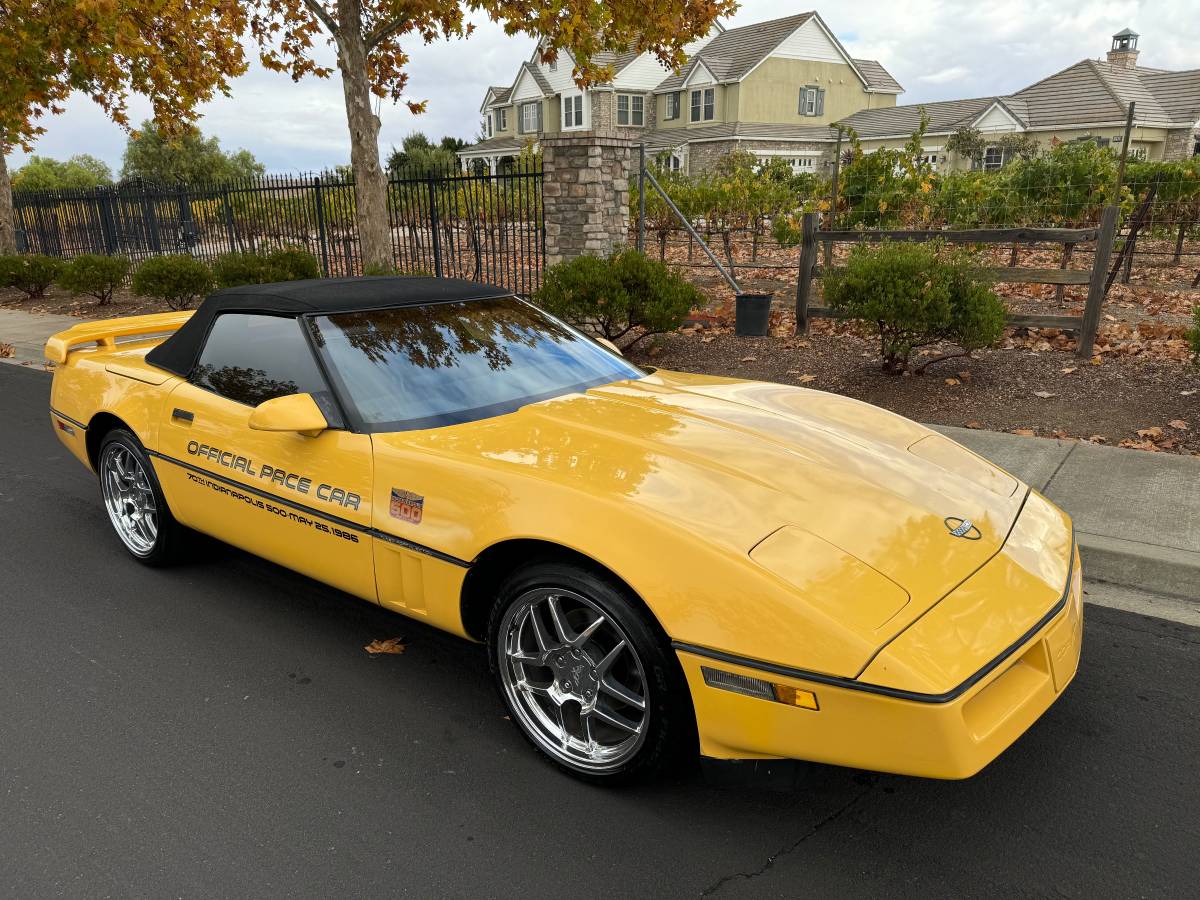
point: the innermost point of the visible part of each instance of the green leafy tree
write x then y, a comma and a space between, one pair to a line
625, 298
80, 172
916, 295
178, 279
95, 275
187, 157
968, 144
418, 157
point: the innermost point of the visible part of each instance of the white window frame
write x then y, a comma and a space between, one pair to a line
573, 115
695, 104
635, 110
996, 164
672, 110
502, 119
528, 107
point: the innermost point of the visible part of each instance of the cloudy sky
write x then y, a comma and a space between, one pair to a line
937, 49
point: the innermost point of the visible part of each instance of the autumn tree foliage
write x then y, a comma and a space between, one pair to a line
370, 35
178, 53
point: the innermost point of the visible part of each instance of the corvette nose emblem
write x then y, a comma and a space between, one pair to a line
963, 528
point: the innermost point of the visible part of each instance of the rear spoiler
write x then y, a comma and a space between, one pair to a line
104, 332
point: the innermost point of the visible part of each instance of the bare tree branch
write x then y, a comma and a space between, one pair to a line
383, 32
317, 8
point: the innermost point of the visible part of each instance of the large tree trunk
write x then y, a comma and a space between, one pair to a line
370, 181
8, 219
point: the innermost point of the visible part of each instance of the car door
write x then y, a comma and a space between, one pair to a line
301, 500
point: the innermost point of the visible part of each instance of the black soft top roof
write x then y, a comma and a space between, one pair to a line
179, 352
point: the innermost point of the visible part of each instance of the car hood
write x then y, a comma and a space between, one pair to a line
850, 503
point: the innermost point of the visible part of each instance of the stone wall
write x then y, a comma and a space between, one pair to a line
1180, 144
585, 188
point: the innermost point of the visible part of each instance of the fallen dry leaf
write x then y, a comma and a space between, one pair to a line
7, 350
974, 424
805, 379
1153, 433
1024, 432
952, 381
1098, 439
391, 645
965, 376
1068, 371
1178, 424
1045, 395
748, 359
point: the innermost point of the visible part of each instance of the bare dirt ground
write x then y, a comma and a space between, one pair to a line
1139, 390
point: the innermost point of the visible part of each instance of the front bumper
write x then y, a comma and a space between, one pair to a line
943, 736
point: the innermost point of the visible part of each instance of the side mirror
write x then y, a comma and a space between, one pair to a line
609, 345
295, 412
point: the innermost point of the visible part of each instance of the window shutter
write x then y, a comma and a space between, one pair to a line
821, 101
539, 117
803, 97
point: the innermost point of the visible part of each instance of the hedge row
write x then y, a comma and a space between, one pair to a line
179, 279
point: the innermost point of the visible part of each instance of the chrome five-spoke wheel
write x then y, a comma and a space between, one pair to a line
129, 498
573, 678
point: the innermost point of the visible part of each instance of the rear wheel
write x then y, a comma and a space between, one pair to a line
584, 675
134, 500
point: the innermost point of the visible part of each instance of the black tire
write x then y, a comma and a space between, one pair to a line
170, 539
668, 727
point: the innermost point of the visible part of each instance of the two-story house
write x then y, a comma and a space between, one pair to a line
771, 88
1086, 101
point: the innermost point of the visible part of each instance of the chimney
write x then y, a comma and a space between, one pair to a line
1124, 52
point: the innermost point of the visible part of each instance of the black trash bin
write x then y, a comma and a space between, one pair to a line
752, 314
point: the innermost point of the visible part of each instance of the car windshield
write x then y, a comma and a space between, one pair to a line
443, 364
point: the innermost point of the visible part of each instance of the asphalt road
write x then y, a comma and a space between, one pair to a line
217, 730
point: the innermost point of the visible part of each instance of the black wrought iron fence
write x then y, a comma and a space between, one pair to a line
450, 224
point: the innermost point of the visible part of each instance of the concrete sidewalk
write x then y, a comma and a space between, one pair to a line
27, 332
1137, 514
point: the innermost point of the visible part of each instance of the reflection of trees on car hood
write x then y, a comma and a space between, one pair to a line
434, 336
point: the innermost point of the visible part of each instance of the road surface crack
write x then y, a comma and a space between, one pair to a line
720, 883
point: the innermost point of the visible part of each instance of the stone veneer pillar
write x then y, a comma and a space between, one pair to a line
585, 191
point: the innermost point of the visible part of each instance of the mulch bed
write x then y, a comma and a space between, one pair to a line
1030, 385
58, 302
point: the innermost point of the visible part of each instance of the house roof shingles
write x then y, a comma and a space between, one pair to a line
878, 78
733, 53
1090, 92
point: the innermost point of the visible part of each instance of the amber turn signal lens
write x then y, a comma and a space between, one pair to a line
796, 697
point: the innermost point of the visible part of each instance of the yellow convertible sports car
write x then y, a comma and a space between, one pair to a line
658, 562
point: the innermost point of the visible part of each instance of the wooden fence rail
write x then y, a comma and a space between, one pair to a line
1085, 325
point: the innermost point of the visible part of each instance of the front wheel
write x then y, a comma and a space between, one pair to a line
585, 676
135, 502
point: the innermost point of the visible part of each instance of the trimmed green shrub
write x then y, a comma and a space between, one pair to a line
915, 295
178, 279
95, 275
625, 297
286, 264
30, 274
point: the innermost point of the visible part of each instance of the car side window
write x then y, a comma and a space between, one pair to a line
254, 358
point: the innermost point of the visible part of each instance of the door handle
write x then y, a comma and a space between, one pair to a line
182, 414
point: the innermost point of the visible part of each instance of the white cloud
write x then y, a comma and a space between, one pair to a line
954, 73
938, 50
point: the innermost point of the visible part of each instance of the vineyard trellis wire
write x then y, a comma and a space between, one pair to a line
755, 207
486, 227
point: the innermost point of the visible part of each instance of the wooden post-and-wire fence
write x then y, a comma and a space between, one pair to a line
1085, 325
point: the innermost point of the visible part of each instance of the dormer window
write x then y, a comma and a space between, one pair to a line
553, 65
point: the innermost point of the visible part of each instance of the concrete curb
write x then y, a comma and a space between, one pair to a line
1162, 570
